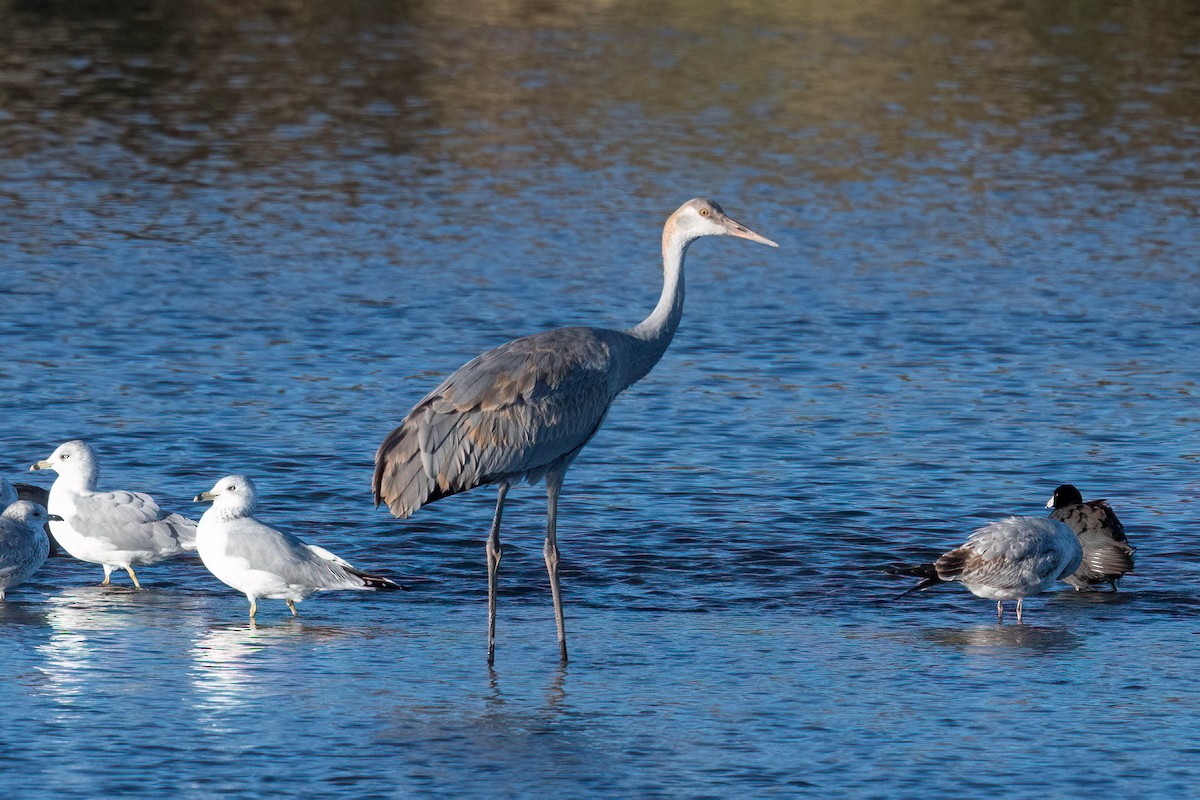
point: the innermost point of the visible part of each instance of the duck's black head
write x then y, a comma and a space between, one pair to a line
1065, 495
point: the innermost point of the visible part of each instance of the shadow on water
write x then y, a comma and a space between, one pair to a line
1026, 637
20, 613
1137, 606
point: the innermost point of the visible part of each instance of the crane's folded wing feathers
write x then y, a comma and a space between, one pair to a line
510, 412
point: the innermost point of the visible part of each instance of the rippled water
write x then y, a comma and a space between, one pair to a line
248, 237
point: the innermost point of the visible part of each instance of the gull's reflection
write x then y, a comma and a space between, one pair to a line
1029, 637
233, 663
69, 659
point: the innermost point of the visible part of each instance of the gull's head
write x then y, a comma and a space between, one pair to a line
74, 458
1065, 495
232, 491
28, 513
701, 217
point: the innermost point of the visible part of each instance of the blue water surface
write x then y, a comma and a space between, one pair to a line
248, 239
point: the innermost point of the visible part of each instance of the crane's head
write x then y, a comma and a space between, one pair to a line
701, 217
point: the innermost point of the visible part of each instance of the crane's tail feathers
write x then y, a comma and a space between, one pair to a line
400, 480
927, 572
402, 477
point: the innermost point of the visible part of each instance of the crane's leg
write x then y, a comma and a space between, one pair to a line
550, 551
493, 564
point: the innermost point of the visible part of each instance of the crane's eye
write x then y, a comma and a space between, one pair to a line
704, 212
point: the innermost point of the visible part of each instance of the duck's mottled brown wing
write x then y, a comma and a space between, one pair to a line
1107, 554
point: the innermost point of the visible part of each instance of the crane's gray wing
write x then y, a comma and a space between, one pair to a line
282, 554
132, 521
510, 413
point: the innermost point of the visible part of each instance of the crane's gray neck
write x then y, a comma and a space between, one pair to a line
653, 334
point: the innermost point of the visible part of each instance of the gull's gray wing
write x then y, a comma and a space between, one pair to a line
1008, 554
132, 521
282, 554
22, 550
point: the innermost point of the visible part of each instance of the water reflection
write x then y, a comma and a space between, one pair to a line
499, 715
215, 88
232, 665
76, 657
1026, 637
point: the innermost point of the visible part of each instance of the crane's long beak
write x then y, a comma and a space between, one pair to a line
736, 228
204, 497
41, 465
